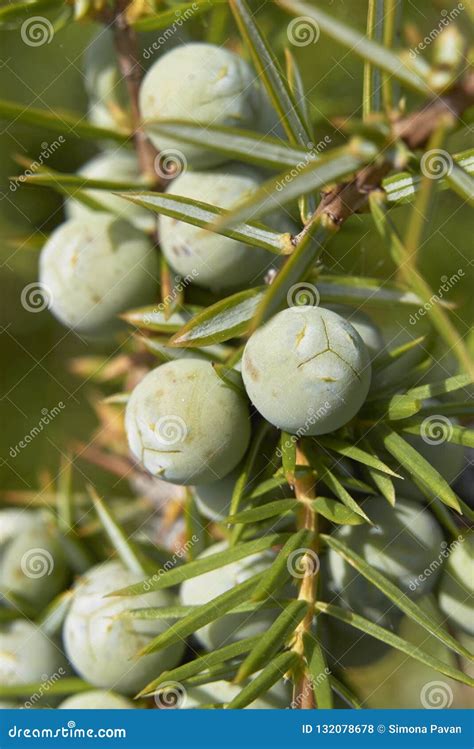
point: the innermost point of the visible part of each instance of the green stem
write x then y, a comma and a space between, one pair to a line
392, 17
369, 79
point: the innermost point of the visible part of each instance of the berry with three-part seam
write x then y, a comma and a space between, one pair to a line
366, 328
307, 370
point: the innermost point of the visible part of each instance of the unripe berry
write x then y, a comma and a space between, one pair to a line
115, 166
231, 627
402, 544
345, 645
93, 270
33, 565
307, 370
185, 424
456, 586
13, 522
201, 83
214, 261
213, 500
96, 699
366, 328
219, 692
27, 655
101, 645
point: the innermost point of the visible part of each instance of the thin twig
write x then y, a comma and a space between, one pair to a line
126, 44
415, 130
305, 491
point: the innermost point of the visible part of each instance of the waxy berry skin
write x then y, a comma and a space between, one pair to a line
33, 563
209, 259
96, 699
201, 83
218, 692
307, 370
185, 425
366, 328
101, 645
401, 544
27, 655
93, 270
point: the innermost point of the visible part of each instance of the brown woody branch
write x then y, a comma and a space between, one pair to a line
126, 46
415, 130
